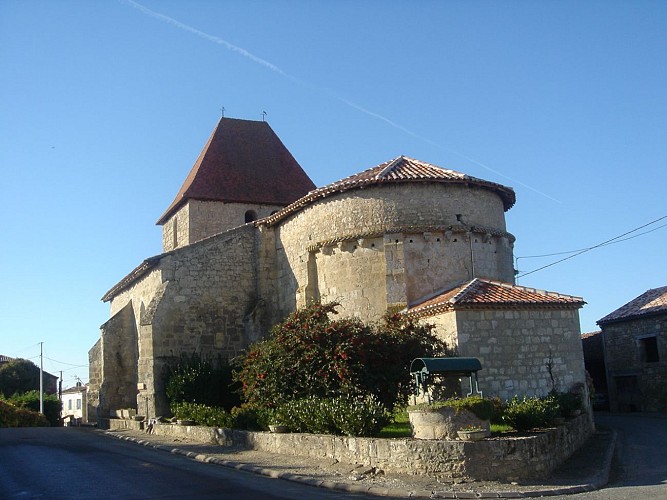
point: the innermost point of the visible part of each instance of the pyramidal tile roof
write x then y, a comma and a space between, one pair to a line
483, 294
243, 161
401, 169
651, 302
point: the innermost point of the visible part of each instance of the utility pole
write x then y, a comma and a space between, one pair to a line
41, 378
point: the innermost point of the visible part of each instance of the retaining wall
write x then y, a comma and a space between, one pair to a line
531, 456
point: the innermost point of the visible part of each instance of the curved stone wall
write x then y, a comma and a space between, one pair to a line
390, 245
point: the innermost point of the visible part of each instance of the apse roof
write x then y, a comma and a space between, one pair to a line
653, 301
482, 294
401, 169
243, 161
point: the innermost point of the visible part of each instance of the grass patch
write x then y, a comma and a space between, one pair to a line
400, 427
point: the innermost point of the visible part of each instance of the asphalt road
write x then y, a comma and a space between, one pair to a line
639, 468
63, 463
55, 463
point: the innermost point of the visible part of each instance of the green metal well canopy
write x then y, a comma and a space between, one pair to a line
423, 368
445, 366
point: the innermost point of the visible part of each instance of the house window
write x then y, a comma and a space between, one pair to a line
78, 404
649, 349
69, 404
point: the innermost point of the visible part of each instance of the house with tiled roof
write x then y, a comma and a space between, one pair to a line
593, 347
635, 349
249, 238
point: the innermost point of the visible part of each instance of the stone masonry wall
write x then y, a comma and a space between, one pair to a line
94, 380
198, 220
199, 299
209, 306
342, 229
517, 347
118, 352
625, 356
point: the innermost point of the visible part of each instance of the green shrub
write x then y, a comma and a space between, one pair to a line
12, 416
484, 409
530, 413
311, 355
251, 418
204, 415
202, 380
350, 416
30, 401
569, 403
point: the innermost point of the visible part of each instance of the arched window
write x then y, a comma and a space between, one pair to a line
250, 216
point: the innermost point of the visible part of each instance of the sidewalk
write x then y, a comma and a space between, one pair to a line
587, 470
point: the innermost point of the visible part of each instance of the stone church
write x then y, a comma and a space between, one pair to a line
249, 238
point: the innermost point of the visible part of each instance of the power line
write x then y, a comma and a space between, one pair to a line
589, 248
604, 243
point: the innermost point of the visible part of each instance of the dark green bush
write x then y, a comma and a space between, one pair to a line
30, 401
343, 415
527, 413
12, 416
202, 380
251, 418
311, 355
204, 415
569, 403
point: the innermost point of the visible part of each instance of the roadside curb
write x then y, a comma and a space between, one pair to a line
597, 482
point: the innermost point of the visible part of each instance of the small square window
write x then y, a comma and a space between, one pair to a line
649, 349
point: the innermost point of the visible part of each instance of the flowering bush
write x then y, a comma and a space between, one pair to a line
311, 355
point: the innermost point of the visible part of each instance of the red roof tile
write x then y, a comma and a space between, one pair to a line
653, 301
482, 294
401, 169
243, 161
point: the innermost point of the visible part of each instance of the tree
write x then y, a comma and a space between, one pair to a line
311, 355
18, 376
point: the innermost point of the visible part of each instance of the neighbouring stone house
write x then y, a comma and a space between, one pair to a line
249, 238
635, 350
49, 382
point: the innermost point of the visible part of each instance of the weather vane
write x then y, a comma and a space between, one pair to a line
222, 110
264, 116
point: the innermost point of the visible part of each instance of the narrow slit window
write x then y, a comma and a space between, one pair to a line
250, 216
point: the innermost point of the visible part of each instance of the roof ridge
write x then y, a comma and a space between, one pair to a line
390, 166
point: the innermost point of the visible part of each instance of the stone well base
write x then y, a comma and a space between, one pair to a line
531, 456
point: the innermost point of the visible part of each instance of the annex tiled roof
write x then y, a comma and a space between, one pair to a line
653, 301
243, 161
483, 294
401, 169
134, 275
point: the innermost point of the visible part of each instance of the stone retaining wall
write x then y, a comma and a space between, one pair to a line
532, 456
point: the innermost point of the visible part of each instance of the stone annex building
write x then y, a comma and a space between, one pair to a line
249, 238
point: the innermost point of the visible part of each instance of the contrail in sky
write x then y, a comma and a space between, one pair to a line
276, 69
206, 36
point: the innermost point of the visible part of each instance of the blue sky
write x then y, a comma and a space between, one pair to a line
107, 104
